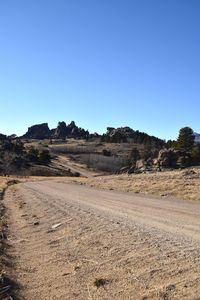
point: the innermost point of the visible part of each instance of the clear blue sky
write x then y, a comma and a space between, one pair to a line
101, 63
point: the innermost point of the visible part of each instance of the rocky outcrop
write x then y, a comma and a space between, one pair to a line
74, 131
140, 163
123, 170
69, 131
119, 135
128, 135
171, 158
2, 136
167, 158
40, 132
61, 131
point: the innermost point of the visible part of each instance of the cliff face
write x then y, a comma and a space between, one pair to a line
40, 131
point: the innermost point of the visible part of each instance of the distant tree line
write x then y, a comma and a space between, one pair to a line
185, 142
137, 137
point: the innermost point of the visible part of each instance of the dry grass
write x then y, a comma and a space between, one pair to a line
82, 146
5, 288
183, 184
3, 183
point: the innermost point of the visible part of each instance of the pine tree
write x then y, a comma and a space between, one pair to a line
185, 139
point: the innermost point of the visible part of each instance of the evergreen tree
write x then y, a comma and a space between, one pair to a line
196, 154
33, 154
44, 157
185, 139
134, 155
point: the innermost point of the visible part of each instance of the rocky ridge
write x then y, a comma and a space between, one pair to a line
128, 135
63, 131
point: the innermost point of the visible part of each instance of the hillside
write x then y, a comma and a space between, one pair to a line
69, 150
73, 149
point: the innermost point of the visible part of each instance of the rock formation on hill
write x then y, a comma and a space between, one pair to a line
121, 135
69, 131
2, 136
171, 158
167, 159
63, 131
128, 135
40, 131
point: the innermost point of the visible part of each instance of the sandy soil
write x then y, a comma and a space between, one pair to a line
134, 247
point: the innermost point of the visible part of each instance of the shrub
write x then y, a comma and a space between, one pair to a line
106, 152
44, 157
33, 154
134, 155
196, 154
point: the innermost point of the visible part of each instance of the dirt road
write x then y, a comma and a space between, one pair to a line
74, 242
64, 162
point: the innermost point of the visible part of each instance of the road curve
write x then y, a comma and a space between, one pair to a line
144, 247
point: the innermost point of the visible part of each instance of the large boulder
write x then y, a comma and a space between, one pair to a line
40, 131
167, 158
123, 170
119, 135
171, 158
140, 164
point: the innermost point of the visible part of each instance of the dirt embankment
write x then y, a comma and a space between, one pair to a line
74, 242
6, 285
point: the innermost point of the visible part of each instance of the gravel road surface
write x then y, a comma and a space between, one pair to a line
69, 241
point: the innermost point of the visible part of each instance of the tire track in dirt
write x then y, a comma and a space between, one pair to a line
122, 241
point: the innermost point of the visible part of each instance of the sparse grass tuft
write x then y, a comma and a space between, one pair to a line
100, 282
22, 204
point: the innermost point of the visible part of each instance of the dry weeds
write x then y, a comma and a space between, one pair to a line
183, 184
5, 283
3, 184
